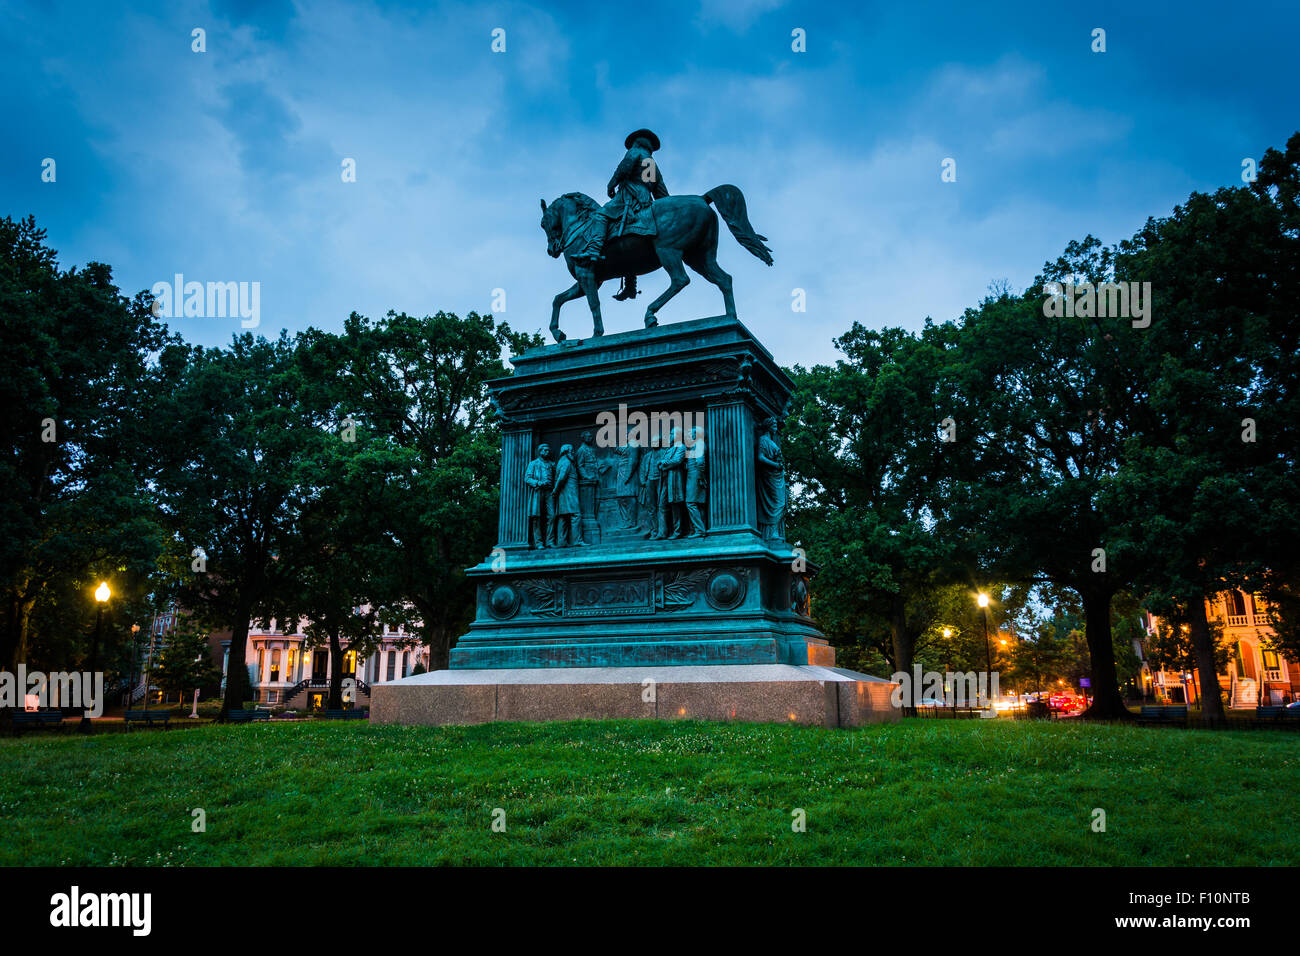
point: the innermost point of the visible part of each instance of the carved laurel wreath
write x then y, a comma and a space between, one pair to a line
681, 587
545, 595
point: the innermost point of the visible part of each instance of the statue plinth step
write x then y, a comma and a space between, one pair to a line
764, 693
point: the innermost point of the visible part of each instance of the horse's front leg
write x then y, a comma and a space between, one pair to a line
671, 259
568, 295
587, 280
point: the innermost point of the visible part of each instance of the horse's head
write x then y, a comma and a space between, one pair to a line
578, 207
551, 226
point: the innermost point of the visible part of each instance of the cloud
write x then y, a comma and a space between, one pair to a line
737, 15
226, 165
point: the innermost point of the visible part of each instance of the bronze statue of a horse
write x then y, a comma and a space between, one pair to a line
687, 232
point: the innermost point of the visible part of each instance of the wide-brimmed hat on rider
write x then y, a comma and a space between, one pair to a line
645, 134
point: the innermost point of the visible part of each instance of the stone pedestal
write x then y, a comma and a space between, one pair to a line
767, 693
714, 625
729, 596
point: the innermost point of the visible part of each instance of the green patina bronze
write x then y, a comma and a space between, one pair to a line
672, 549
643, 229
656, 533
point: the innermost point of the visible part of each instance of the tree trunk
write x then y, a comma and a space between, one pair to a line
439, 650
1203, 642
13, 643
1107, 704
904, 648
235, 680
336, 671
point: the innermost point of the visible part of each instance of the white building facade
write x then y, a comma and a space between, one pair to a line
286, 670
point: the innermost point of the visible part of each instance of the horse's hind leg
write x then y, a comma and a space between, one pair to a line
671, 260
706, 264
568, 295
591, 286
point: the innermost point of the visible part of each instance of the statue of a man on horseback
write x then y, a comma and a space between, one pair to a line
640, 230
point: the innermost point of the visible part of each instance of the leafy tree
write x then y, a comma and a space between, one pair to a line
338, 567
77, 389
418, 386
186, 664
233, 440
1127, 633
867, 471
1283, 615
1171, 647
1042, 406
1278, 409
1205, 478
1037, 660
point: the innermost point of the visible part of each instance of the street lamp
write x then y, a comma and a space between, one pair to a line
195, 712
102, 594
135, 660
983, 601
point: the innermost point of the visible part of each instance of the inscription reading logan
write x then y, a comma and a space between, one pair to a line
605, 596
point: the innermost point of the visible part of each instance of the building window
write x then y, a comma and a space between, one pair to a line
261, 656
275, 665
1236, 603
406, 663
392, 664
293, 659
1270, 659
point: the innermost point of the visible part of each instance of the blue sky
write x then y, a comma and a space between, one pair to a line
225, 165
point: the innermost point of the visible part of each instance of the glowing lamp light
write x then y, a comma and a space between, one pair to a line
982, 600
947, 632
102, 592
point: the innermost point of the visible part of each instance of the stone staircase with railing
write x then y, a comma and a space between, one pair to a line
136, 693
1245, 693
295, 697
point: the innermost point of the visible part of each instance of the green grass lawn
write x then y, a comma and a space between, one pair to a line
646, 792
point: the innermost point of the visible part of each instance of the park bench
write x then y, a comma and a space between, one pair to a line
1276, 716
36, 719
1169, 716
353, 714
1034, 710
247, 716
150, 718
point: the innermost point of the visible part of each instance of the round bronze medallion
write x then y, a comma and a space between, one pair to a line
725, 590
503, 601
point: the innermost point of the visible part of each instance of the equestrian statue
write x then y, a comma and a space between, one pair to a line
642, 229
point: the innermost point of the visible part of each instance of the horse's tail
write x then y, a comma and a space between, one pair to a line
730, 203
